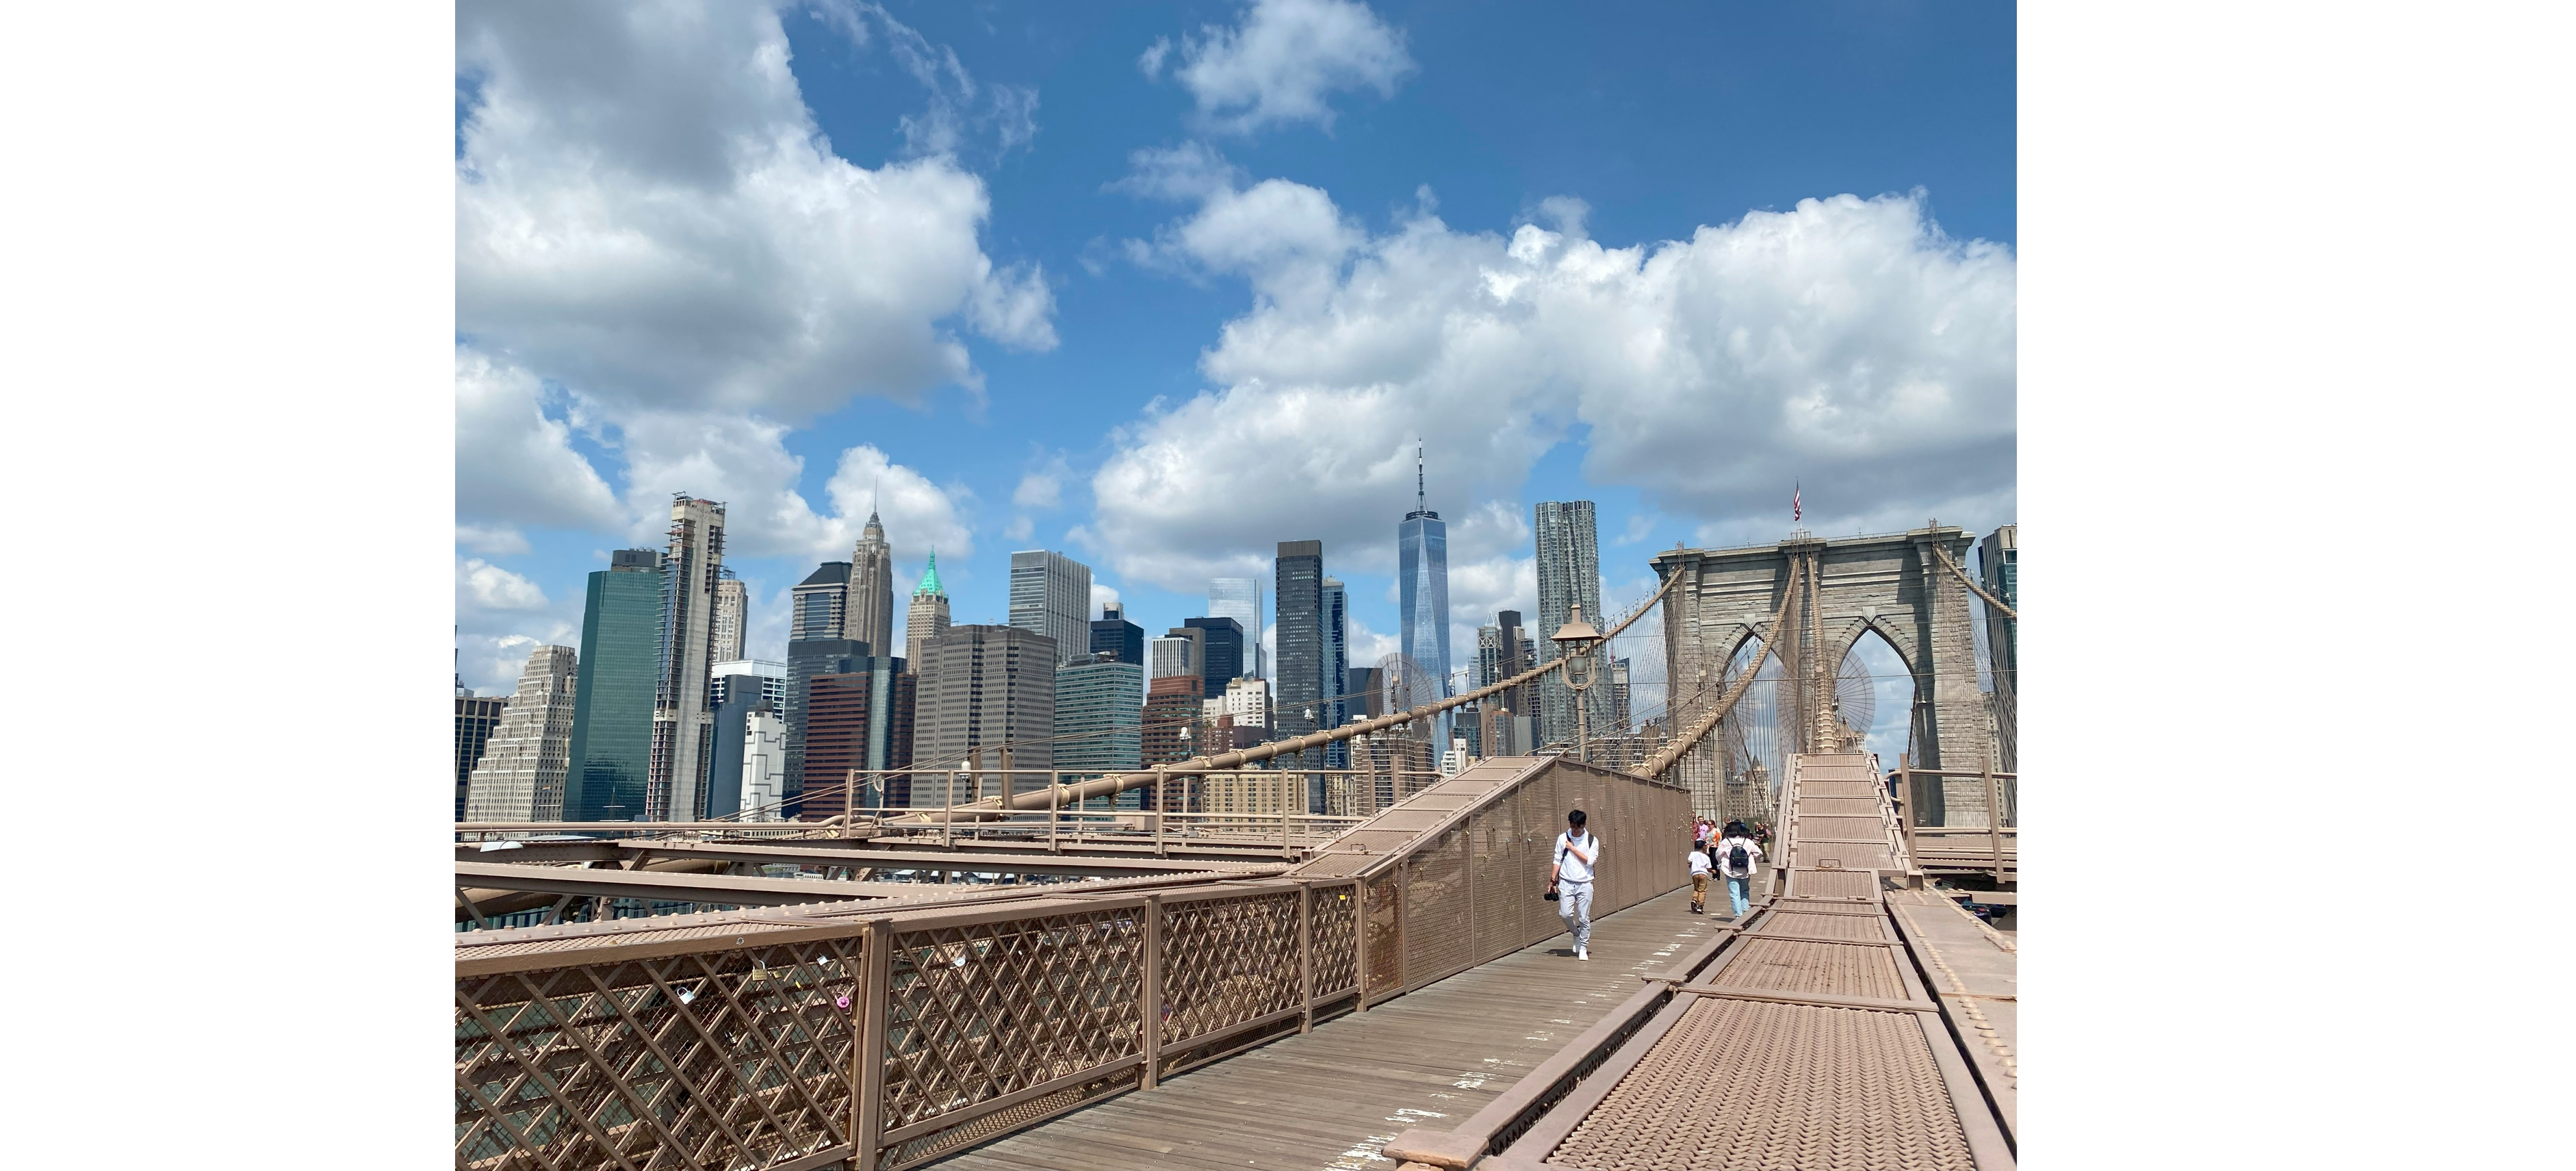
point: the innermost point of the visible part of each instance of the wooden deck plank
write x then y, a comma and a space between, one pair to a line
1327, 1100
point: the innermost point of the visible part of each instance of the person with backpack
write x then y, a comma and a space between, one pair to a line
1737, 854
1570, 879
1699, 871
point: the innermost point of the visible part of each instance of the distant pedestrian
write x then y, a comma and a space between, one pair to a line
1737, 854
1699, 871
1577, 854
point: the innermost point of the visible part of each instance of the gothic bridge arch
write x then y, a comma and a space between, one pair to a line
1892, 583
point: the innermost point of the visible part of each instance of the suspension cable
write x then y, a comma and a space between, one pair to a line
1673, 751
1971, 582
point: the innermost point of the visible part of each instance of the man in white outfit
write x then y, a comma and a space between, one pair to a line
1577, 853
1736, 854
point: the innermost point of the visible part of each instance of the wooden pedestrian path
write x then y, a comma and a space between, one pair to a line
1330, 1098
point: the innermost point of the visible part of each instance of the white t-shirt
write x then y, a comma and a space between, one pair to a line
1571, 868
1698, 863
1752, 856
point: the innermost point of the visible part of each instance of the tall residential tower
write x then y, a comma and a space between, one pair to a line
683, 728
521, 776
1298, 584
1569, 572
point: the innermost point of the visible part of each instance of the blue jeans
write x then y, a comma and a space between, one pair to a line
1574, 905
1738, 891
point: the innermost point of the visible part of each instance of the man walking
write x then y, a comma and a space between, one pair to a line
1577, 853
1737, 853
1699, 870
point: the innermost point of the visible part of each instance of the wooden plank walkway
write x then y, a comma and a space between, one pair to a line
1328, 1100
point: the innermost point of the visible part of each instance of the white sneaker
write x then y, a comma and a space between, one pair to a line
1582, 953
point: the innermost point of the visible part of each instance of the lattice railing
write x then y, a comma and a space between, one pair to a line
739, 1057
1335, 941
1227, 962
920, 1031
913, 1035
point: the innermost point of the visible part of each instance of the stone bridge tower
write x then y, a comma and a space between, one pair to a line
1892, 584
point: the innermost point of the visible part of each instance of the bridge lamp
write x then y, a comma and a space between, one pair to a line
1575, 642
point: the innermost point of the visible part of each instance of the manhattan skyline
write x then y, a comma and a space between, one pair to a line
1109, 332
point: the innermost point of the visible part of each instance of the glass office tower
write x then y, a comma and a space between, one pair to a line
620, 665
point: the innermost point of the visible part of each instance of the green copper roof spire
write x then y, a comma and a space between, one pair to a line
930, 578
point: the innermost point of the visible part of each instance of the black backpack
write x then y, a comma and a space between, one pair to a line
1737, 859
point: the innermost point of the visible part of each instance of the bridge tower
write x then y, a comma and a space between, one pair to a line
1893, 585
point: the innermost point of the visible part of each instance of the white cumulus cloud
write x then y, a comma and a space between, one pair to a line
646, 213
1846, 344
514, 465
494, 588
1282, 62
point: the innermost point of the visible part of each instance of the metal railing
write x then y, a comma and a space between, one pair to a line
886, 1040
775, 1041
1979, 842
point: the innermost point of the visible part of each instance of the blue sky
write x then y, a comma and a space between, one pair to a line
1040, 284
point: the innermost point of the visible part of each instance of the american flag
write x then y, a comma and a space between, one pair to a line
1793, 503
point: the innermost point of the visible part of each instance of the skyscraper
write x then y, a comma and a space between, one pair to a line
1569, 571
983, 687
871, 605
1098, 715
1337, 666
476, 718
733, 708
1239, 598
732, 621
856, 723
821, 604
1175, 724
1503, 651
809, 659
928, 618
740, 688
683, 728
1051, 595
767, 676
1172, 654
521, 777
1304, 665
1221, 651
763, 780
621, 656
1114, 635
1422, 551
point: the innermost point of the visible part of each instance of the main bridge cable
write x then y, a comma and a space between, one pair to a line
1971, 582
1074, 795
1672, 752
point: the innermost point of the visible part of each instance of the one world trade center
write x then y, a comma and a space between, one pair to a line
1422, 544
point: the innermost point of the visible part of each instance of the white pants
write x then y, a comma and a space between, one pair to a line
1574, 905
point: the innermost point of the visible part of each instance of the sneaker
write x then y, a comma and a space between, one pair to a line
1582, 953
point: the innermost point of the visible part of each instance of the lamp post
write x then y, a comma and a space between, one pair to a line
1575, 642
